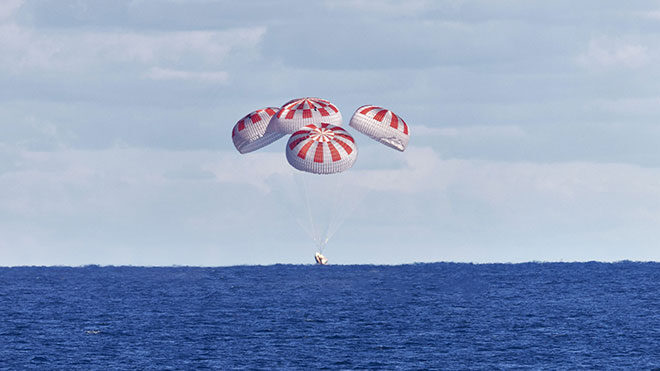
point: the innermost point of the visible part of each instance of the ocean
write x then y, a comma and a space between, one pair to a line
418, 316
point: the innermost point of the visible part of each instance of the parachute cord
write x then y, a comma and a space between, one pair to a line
342, 213
360, 194
336, 207
288, 200
333, 208
315, 235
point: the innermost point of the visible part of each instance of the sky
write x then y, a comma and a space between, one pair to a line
534, 130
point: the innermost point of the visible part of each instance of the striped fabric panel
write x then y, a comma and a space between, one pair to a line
249, 133
368, 109
346, 136
255, 117
405, 126
318, 156
297, 141
394, 121
305, 142
334, 153
303, 151
306, 106
345, 146
381, 115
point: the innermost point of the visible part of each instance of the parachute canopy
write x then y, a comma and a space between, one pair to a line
297, 113
322, 149
318, 145
249, 133
382, 125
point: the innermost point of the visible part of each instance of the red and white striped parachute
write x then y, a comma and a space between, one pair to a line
249, 133
321, 149
382, 125
304, 111
318, 145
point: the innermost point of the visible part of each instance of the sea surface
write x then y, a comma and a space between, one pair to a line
418, 316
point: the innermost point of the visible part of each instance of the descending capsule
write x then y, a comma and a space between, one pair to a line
249, 133
297, 113
321, 149
382, 125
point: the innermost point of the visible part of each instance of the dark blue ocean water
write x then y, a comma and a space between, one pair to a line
421, 316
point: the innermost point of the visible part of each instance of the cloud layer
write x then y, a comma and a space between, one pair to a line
132, 206
534, 129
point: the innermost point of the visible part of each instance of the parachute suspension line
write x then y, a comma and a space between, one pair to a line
315, 234
337, 191
354, 195
338, 216
331, 189
284, 186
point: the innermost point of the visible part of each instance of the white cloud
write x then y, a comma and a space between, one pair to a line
470, 131
253, 169
609, 53
631, 106
388, 7
8, 8
23, 48
118, 205
423, 170
158, 73
653, 14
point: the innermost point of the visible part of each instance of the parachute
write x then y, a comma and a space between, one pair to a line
318, 145
382, 125
297, 113
323, 149
249, 133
